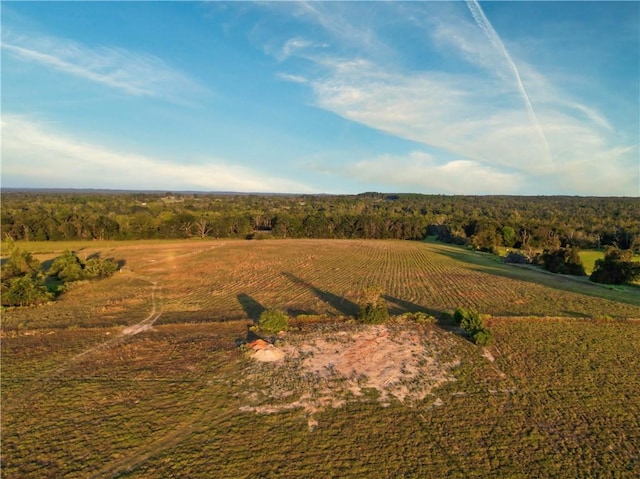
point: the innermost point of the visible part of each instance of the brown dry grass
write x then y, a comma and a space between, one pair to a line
201, 281
81, 398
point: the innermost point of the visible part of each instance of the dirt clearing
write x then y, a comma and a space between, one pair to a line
326, 369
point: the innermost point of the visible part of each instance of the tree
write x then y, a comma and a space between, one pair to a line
563, 261
508, 236
203, 227
22, 279
25, 290
617, 267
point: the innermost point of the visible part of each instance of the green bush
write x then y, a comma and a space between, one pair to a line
468, 319
100, 268
19, 263
25, 291
373, 308
67, 267
374, 313
482, 337
471, 321
273, 321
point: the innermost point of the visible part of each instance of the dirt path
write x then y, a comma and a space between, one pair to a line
35, 385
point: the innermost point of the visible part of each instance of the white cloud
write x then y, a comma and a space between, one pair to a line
34, 155
131, 72
421, 170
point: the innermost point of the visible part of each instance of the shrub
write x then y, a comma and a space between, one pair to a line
100, 268
19, 263
468, 319
25, 291
373, 308
273, 321
419, 317
482, 337
471, 321
515, 257
371, 313
67, 267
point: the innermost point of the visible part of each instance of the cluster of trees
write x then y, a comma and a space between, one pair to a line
563, 261
616, 267
25, 282
484, 222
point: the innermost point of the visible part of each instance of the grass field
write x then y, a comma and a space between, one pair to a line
140, 375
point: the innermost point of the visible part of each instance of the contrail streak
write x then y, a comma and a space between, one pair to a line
485, 25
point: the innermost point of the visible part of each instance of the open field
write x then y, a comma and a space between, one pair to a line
140, 375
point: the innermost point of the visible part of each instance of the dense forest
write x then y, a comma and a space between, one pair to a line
483, 222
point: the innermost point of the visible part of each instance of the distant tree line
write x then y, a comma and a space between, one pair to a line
482, 222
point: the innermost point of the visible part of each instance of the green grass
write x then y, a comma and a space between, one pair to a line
589, 258
79, 399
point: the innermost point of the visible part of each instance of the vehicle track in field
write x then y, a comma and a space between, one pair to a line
147, 450
35, 385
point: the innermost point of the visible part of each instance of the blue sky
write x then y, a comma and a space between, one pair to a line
311, 97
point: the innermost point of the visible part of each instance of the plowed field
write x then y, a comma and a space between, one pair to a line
140, 375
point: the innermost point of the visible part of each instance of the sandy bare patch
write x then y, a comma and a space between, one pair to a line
487, 354
399, 362
136, 328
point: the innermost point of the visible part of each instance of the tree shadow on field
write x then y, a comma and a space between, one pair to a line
444, 320
340, 303
399, 306
251, 307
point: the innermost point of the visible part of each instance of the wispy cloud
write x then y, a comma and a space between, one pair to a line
292, 78
499, 116
128, 71
36, 155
